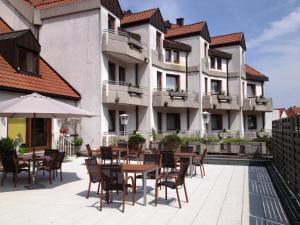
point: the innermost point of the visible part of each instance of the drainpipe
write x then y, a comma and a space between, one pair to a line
262, 89
227, 74
136, 74
186, 87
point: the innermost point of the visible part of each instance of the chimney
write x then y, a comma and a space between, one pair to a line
180, 21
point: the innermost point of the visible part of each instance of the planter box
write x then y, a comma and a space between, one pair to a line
261, 101
234, 148
224, 98
135, 90
213, 147
178, 94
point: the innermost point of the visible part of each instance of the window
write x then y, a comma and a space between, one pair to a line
40, 131
219, 63
206, 85
173, 121
158, 41
111, 120
111, 71
28, 61
216, 122
159, 122
111, 22
159, 80
168, 55
172, 82
122, 75
212, 62
176, 57
216, 87
252, 122
205, 49
121, 126
251, 90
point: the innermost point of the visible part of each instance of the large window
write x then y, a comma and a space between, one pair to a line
216, 87
159, 122
219, 63
40, 128
173, 121
251, 90
158, 41
252, 125
122, 74
121, 126
111, 120
172, 82
111, 71
216, 122
168, 55
212, 62
28, 61
159, 80
111, 22
176, 57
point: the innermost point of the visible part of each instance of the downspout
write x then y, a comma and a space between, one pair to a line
227, 77
186, 87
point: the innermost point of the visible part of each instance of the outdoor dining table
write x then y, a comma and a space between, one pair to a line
189, 155
119, 150
144, 169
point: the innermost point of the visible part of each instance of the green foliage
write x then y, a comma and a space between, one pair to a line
7, 144
190, 139
211, 140
136, 139
154, 134
172, 139
235, 141
78, 141
266, 139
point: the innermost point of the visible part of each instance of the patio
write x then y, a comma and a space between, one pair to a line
228, 195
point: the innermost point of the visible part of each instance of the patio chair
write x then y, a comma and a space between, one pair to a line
135, 153
173, 180
91, 152
94, 173
11, 164
124, 155
187, 148
150, 159
106, 154
112, 179
199, 161
49, 166
58, 163
168, 160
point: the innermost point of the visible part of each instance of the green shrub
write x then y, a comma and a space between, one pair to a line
136, 139
78, 141
172, 139
235, 141
211, 140
189, 139
266, 139
7, 144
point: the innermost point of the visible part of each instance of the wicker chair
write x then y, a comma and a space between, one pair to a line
168, 160
124, 155
58, 163
187, 148
106, 154
199, 161
174, 180
91, 152
135, 153
11, 165
49, 166
94, 173
112, 179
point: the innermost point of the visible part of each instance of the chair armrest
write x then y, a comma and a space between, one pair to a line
130, 178
158, 179
172, 175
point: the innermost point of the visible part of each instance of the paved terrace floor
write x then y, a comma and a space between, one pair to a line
228, 195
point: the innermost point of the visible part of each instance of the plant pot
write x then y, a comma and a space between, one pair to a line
22, 150
77, 150
213, 147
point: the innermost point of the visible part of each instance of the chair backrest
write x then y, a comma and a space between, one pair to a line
93, 169
50, 152
59, 159
198, 149
184, 165
106, 153
152, 159
168, 159
202, 156
9, 161
122, 145
112, 177
89, 150
187, 148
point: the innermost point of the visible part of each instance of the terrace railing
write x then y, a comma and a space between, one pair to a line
66, 145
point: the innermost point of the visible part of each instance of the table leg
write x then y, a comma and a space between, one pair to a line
145, 188
191, 166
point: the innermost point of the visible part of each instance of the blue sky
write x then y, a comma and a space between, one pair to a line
272, 30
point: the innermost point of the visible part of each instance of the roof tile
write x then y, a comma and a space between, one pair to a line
176, 30
139, 16
44, 4
226, 39
253, 72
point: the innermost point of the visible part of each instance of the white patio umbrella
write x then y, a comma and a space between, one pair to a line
38, 106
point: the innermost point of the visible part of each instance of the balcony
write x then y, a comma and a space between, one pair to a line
261, 104
158, 60
225, 102
124, 94
124, 46
176, 99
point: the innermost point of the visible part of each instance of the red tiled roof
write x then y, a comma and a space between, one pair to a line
176, 30
226, 39
253, 72
139, 16
43, 4
293, 111
49, 81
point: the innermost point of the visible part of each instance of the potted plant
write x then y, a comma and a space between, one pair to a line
135, 141
22, 149
213, 145
172, 142
78, 141
7, 144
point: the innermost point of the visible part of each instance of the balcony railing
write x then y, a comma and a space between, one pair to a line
177, 99
124, 93
124, 46
220, 101
258, 104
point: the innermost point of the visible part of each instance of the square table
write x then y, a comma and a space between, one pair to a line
189, 155
144, 169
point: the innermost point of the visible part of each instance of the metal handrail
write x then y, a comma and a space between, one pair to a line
167, 90
123, 83
67, 146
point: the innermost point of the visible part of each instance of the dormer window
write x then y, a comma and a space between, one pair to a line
28, 61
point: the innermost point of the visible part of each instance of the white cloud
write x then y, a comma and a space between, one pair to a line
277, 29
